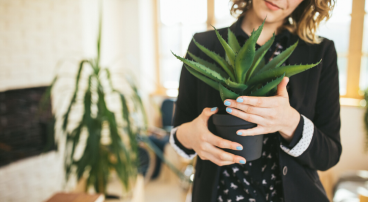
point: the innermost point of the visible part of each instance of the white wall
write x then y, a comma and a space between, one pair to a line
34, 36
37, 34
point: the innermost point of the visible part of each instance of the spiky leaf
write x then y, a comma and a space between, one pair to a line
260, 53
232, 41
238, 87
203, 78
202, 69
228, 50
212, 66
289, 71
278, 60
244, 59
226, 93
221, 61
266, 88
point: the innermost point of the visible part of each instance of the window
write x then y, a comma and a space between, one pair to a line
339, 23
363, 84
176, 29
345, 28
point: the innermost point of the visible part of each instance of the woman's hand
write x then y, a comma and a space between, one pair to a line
195, 135
271, 114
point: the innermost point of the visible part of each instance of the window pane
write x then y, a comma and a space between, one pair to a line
222, 9
342, 63
170, 39
363, 81
170, 72
339, 23
179, 11
222, 14
176, 30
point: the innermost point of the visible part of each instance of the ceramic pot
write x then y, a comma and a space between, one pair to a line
226, 127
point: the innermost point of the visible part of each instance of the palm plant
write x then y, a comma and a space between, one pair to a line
111, 144
244, 70
366, 117
113, 138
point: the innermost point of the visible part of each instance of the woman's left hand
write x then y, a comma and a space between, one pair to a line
271, 114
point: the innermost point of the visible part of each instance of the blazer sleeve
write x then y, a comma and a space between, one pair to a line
186, 103
320, 146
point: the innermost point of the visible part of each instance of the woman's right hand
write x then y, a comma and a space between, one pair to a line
195, 135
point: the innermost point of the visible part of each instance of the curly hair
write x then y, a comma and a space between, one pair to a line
303, 21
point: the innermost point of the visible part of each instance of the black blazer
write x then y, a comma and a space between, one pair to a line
313, 93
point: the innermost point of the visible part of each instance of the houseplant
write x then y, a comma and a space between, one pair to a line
108, 139
366, 117
110, 136
242, 72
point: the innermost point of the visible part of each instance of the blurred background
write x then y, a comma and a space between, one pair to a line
41, 39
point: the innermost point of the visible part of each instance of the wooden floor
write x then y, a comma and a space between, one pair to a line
160, 191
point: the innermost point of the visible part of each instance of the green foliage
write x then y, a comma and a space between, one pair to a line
366, 117
112, 138
246, 70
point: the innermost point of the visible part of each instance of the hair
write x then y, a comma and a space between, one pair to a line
303, 21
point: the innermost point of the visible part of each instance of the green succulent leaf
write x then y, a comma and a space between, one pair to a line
212, 66
221, 61
260, 65
238, 87
244, 59
226, 93
203, 78
268, 87
278, 60
289, 71
228, 50
202, 69
232, 41
260, 53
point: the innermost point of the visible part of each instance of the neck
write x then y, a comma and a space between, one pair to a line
251, 21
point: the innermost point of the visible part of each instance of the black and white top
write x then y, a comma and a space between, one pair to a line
258, 180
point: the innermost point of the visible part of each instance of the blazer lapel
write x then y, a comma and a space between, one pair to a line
299, 82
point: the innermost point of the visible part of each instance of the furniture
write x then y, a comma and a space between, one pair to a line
351, 186
76, 197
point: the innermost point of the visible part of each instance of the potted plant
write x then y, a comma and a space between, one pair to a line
109, 139
365, 119
242, 72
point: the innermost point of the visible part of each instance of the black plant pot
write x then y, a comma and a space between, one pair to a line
226, 127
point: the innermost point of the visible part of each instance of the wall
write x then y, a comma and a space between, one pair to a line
36, 35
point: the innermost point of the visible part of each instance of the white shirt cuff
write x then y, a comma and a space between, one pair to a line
304, 142
176, 148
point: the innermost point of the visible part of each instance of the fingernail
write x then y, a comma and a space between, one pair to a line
239, 133
242, 161
227, 103
239, 99
229, 110
239, 148
213, 109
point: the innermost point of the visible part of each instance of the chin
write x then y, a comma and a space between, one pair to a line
262, 11
262, 14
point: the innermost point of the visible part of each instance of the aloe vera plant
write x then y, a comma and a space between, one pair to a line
243, 71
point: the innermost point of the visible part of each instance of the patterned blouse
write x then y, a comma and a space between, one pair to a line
258, 180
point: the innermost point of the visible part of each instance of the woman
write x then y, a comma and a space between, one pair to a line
301, 122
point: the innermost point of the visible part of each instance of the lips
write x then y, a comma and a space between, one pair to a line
272, 6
